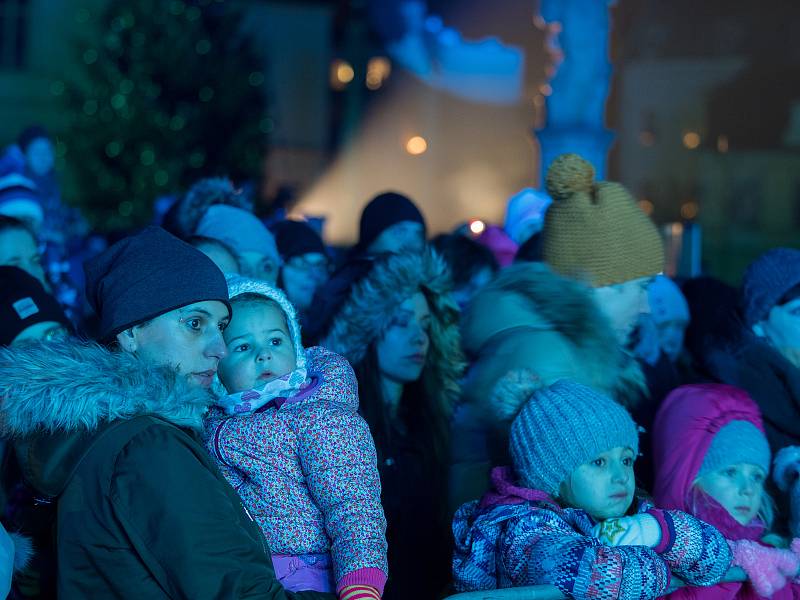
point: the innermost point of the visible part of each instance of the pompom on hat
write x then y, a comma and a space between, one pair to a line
594, 230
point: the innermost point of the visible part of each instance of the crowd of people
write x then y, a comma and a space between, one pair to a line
223, 407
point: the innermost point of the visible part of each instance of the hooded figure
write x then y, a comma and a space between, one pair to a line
423, 358
698, 429
529, 318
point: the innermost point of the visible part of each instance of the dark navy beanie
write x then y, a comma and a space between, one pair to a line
146, 275
383, 211
295, 238
767, 280
25, 302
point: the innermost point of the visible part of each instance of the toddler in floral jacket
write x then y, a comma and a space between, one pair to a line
289, 439
566, 515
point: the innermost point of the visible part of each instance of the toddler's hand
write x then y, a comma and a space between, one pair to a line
637, 530
766, 568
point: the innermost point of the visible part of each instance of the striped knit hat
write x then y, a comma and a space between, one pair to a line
562, 427
595, 231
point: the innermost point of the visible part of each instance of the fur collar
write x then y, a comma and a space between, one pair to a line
531, 296
72, 385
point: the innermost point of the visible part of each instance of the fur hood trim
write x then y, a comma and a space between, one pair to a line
374, 299
531, 296
71, 385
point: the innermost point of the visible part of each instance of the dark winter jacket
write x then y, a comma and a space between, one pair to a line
771, 380
517, 537
142, 511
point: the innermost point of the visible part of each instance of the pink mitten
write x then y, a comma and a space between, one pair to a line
766, 568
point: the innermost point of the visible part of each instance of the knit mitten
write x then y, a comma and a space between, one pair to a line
786, 473
359, 592
637, 530
767, 568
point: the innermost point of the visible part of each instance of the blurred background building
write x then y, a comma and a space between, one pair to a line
440, 100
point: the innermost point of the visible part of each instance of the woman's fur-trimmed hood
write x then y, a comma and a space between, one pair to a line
373, 300
72, 385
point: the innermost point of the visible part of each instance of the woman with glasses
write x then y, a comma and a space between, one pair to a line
305, 265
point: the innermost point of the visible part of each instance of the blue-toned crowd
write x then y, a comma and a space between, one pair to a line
224, 407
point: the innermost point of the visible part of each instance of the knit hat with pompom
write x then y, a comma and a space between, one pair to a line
594, 230
559, 428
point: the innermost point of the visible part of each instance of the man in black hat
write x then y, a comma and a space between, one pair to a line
111, 435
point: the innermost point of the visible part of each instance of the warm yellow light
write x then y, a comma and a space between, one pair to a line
379, 66
345, 73
691, 140
341, 74
477, 227
646, 206
689, 210
647, 138
416, 145
722, 143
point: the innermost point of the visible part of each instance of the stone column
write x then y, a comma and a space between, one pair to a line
575, 119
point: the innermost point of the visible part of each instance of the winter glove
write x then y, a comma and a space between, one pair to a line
359, 592
767, 568
786, 473
638, 530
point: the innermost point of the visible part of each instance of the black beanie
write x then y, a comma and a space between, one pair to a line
146, 275
383, 211
24, 302
294, 238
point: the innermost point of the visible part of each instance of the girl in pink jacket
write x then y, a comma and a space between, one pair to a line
289, 439
712, 460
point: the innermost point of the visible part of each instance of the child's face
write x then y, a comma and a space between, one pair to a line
604, 486
738, 488
260, 348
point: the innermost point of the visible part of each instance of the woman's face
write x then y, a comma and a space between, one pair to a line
189, 339
405, 236
403, 348
738, 488
258, 266
18, 249
302, 275
782, 330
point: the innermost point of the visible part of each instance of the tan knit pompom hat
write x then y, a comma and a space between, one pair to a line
595, 231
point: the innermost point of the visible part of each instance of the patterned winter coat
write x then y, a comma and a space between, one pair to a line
516, 537
306, 470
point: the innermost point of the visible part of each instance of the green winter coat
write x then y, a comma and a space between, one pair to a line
142, 511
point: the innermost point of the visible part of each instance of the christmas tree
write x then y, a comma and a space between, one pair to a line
172, 91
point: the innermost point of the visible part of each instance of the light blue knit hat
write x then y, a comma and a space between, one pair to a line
737, 442
562, 427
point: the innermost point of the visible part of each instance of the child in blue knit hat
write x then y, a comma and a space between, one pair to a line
566, 514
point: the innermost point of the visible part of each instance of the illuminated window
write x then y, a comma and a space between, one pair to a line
14, 19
